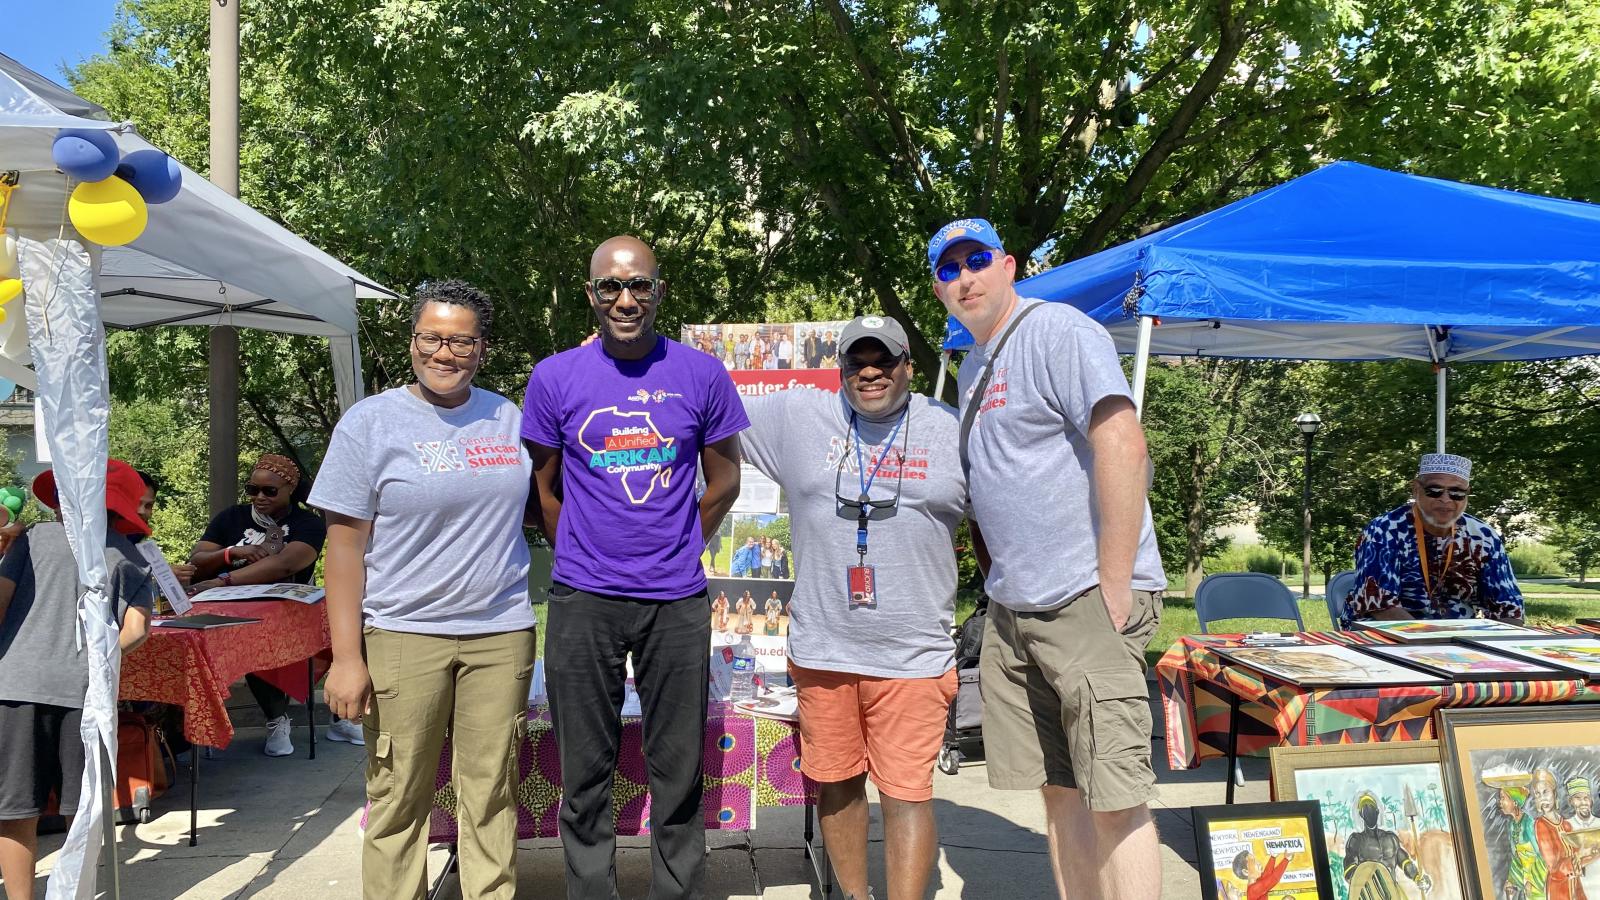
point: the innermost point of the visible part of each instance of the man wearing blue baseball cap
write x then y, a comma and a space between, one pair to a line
1053, 446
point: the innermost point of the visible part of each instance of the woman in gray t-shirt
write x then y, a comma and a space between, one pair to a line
426, 489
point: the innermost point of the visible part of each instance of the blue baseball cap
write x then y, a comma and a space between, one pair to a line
962, 230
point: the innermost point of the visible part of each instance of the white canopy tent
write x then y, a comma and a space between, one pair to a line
205, 258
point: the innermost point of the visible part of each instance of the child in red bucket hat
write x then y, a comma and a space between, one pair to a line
43, 672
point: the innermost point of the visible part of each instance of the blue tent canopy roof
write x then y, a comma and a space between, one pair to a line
1351, 262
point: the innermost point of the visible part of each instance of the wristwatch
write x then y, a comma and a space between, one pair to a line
226, 578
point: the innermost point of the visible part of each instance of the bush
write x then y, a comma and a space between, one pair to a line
1251, 558
1531, 559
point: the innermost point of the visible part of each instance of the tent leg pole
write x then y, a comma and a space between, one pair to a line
1440, 375
108, 811
1141, 363
938, 380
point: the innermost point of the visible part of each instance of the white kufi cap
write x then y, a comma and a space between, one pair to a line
1445, 464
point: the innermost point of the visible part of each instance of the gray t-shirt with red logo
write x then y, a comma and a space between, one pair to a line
1031, 461
446, 491
802, 439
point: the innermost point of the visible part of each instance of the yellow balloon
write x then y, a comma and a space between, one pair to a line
108, 212
9, 289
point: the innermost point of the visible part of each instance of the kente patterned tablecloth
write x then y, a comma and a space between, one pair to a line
1196, 685
749, 762
195, 669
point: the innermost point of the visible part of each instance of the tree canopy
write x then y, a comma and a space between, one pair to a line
789, 161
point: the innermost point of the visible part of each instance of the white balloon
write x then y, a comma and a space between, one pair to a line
14, 334
8, 255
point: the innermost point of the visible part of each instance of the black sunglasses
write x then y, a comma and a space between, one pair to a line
609, 289
850, 366
976, 262
1434, 492
253, 489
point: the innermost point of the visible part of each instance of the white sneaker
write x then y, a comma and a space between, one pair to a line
346, 731
278, 737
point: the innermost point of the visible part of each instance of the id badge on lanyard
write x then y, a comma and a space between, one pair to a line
861, 586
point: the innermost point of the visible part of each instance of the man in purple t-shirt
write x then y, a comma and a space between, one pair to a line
616, 428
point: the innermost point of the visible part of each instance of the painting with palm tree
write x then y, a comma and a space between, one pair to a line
1384, 815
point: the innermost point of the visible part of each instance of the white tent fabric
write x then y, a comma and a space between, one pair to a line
69, 355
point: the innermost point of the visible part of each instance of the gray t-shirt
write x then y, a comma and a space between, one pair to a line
800, 438
1031, 460
446, 491
39, 657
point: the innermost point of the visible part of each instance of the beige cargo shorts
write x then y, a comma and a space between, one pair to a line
1065, 700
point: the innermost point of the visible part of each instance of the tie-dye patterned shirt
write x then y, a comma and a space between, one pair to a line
1389, 572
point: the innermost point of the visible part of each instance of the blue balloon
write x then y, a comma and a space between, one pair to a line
85, 154
155, 175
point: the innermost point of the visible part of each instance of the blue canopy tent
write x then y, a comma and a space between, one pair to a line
1350, 263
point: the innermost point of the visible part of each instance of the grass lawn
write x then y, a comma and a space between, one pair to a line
724, 562
1588, 588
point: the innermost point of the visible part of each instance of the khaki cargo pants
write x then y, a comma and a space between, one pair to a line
1065, 700
477, 687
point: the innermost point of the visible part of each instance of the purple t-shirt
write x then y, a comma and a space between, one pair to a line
630, 434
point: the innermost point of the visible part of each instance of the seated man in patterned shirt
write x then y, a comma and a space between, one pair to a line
1463, 571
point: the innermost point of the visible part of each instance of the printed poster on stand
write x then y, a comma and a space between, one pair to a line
749, 560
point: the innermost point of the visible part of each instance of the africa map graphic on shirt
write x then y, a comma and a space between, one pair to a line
629, 444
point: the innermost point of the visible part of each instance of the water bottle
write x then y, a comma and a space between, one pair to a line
744, 671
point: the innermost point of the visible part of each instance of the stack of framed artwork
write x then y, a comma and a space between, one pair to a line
1426, 652
1501, 806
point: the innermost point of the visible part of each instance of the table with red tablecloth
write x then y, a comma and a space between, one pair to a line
194, 669
1200, 691
749, 762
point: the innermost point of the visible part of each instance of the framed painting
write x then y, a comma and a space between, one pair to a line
1443, 631
1465, 663
1570, 652
1262, 850
1324, 665
1520, 782
1385, 820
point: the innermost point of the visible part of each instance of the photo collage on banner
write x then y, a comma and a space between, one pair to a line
749, 560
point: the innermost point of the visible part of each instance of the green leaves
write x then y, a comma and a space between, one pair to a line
790, 161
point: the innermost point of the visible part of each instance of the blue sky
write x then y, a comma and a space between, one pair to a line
44, 35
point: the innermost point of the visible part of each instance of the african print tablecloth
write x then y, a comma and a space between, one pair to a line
195, 669
1196, 685
749, 762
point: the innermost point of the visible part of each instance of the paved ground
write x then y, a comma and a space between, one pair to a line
286, 828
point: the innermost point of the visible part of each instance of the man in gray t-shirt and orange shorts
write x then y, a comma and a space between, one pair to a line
869, 632
1055, 448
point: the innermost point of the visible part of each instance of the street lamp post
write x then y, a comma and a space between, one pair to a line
1308, 423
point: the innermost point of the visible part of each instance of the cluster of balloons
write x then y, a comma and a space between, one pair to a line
109, 207
13, 498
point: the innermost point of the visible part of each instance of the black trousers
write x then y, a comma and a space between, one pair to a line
587, 639
273, 701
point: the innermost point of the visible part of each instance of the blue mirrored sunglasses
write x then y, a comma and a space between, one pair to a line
976, 262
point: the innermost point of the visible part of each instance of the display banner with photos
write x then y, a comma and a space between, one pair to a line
749, 560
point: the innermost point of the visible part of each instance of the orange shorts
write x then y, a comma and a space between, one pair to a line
889, 728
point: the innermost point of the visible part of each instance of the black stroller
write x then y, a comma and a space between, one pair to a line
963, 732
